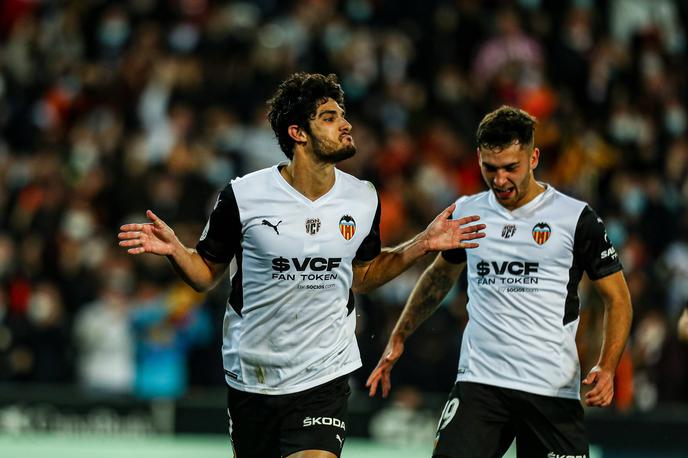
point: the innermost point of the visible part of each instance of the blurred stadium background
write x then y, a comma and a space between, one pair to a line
108, 108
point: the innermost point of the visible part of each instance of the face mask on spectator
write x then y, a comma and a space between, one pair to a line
675, 120
113, 32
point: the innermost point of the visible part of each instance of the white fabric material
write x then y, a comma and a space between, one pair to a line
515, 337
294, 332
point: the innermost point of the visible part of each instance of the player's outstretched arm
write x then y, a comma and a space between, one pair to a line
158, 238
618, 314
428, 293
441, 234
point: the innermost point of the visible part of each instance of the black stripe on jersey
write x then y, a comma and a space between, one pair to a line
236, 296
222, 241
351, 304
223, 234
371, 245
455, 256
592, 253
572, 301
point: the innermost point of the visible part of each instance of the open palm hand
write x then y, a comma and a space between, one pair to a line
155, 237
444, 233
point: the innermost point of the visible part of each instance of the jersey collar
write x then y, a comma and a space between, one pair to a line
526, 209
289, 189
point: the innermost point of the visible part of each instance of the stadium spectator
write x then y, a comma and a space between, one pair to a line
166, 324
103, 335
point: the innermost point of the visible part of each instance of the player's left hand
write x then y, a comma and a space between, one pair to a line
602, 392
382, 373
444, 233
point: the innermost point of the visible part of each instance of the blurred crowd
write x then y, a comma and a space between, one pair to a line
108, 108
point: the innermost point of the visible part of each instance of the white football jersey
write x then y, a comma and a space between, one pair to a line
523, 291
289, 324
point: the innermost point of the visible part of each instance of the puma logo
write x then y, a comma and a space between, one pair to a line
341, 441
274, 226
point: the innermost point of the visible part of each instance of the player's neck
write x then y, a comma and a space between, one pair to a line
534, 190
310, 178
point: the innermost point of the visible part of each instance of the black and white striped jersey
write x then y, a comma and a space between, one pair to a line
289, 324
523, 290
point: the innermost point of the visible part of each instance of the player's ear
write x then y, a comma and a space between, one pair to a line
297, 133
534, 159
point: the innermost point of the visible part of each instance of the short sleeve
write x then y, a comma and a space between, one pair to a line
371, 245
455, 255
592, 248
222, 232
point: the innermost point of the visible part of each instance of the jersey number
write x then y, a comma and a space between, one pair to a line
448, 413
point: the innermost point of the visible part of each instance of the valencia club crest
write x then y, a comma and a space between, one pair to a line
541, 233
347, 226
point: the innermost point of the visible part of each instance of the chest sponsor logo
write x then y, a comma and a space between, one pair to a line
347, 226
274, 226
510, 267
510, 274
306, 269
541, 233
312, 226
316, 264
508, 231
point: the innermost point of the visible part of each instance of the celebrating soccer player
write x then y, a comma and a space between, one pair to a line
305, 237
519, 375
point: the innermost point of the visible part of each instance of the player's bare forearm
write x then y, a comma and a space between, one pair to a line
441, 234
198, 273
428, 293
617, 323
158, 238
389, 264
431, 289
618, 314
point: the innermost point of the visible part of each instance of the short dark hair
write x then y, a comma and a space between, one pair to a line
504, 127
296, 100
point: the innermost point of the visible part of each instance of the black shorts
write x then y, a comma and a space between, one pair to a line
481, 421
274, 426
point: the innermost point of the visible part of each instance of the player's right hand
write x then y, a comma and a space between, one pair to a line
444, 233
382, 372
155, 237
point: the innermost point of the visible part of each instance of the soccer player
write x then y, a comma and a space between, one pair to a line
305, 237
518, 374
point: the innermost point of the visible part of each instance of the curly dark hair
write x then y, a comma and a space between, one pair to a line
296, 100
504, 127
